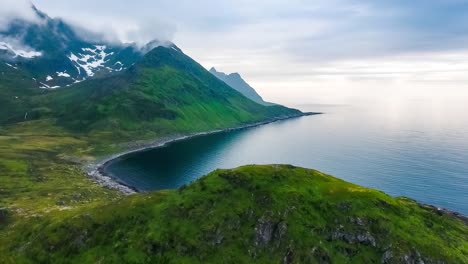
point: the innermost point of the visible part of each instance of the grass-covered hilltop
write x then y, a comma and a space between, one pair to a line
252, 214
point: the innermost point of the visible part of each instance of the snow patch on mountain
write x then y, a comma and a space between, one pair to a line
63, 74
117, 64
45, 86
19, 52
9, 65
49, 78
91, 59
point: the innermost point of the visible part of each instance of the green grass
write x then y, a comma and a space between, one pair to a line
313, 218
41, 171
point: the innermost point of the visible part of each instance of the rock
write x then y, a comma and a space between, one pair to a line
280, 231
358, 221
414, 257
217, 237
267, 231
387, 257
263, 232
366, 238
442, 211
363, 237
288, 259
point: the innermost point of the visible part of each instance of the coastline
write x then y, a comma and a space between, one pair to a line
96, 169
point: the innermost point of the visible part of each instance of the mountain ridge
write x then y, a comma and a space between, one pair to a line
235, 81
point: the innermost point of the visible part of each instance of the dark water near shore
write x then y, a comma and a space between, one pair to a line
414, 148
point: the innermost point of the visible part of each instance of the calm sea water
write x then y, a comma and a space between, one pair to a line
413, 148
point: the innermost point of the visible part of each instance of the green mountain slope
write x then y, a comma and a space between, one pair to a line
165, 93
16, 90
167, 90
253, 214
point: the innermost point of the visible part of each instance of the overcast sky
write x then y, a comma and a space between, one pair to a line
300, 50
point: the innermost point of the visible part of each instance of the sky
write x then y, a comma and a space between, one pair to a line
298, 51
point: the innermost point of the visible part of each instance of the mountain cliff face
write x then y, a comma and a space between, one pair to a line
236, 82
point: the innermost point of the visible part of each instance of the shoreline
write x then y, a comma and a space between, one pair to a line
96, 169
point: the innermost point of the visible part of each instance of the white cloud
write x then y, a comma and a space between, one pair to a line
11, 9
112, 20
121, 30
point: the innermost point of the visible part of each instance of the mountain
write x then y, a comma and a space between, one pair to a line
235, 81
55, 56
252, 214
165, 92
109, 87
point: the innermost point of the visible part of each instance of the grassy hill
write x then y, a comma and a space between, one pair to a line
252, 214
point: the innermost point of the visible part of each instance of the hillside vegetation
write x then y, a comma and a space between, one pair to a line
165, 93
252, 214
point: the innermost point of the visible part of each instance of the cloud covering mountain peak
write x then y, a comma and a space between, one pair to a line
104, 28
17, 9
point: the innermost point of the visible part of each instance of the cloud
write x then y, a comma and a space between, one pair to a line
348, 28
93, 20
14, 9
121, 30
113, 21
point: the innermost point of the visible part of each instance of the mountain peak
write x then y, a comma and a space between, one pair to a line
237, 83
235, 75
39, 13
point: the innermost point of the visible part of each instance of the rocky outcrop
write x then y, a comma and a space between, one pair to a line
268, 231
354, 231
412, 257
353, 237
443, 211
